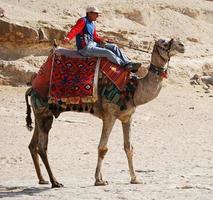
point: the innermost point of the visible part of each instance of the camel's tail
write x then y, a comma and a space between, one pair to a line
28, 117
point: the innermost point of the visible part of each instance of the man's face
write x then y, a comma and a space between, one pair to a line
93, 16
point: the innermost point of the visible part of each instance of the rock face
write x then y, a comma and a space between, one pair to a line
18, 41
11, 32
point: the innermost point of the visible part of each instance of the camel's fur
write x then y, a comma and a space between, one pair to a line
148, 88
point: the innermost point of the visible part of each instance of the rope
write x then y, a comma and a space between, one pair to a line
50, 85
135, 48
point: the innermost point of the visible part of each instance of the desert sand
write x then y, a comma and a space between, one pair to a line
172, 135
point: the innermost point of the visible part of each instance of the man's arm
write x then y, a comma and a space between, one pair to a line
97, 38
75, 30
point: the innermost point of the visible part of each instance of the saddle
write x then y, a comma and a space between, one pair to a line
67, 78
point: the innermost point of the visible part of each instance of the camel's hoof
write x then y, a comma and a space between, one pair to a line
43, 182
100, 183
57, 185
135, 181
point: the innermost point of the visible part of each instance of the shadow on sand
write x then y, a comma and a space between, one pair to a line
20, 191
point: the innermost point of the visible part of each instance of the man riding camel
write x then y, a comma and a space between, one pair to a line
89, 43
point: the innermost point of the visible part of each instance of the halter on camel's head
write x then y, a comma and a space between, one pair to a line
165, 50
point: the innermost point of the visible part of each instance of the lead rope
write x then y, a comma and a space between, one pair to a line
53, 60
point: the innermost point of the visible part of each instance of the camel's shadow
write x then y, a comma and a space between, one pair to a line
20, 191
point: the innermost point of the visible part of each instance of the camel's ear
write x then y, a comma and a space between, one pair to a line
161, 42
156, 40
170, 44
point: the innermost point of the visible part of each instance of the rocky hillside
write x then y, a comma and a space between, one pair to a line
27, 28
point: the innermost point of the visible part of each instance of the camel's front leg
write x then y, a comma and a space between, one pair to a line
108, 123
129, 150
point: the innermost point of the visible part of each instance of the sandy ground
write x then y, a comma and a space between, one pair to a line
172, 135
172, 139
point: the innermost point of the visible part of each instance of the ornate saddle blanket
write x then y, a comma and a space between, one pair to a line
115, 73
69, 78
73, 80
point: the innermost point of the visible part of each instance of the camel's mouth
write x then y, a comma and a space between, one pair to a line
182, 50
180, 47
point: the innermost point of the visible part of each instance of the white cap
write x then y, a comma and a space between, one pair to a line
92, 9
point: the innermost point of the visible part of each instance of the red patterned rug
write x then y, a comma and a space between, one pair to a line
68, 78
115, 73
41, 82
73, 80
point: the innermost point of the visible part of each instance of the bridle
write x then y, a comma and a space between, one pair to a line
162, 71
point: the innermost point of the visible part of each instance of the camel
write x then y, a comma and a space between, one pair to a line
147, 89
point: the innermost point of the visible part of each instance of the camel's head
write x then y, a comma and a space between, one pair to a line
169, 48
161, 54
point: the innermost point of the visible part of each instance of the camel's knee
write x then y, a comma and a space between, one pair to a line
32, 147
102, 152
42, 151
128, 149
42, 145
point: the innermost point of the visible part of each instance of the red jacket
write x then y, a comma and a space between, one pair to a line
84, 30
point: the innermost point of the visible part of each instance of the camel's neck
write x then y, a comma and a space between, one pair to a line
158, 58
149, 87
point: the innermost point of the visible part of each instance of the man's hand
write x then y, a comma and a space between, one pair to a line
65, 40
102, 44
105, 41
109, 39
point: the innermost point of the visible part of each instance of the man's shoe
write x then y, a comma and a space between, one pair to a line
136, 65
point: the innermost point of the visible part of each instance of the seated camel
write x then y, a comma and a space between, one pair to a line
146, 90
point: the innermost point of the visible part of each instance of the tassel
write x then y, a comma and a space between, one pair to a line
68, 108
91, 110
55, 107
86, 108
60, 102
122, 107
74, 107
80, 109
60, 108
50, 106
127, 98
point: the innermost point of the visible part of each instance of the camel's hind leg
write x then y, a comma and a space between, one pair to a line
129, 150
108, 123
33, 146
43, 123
